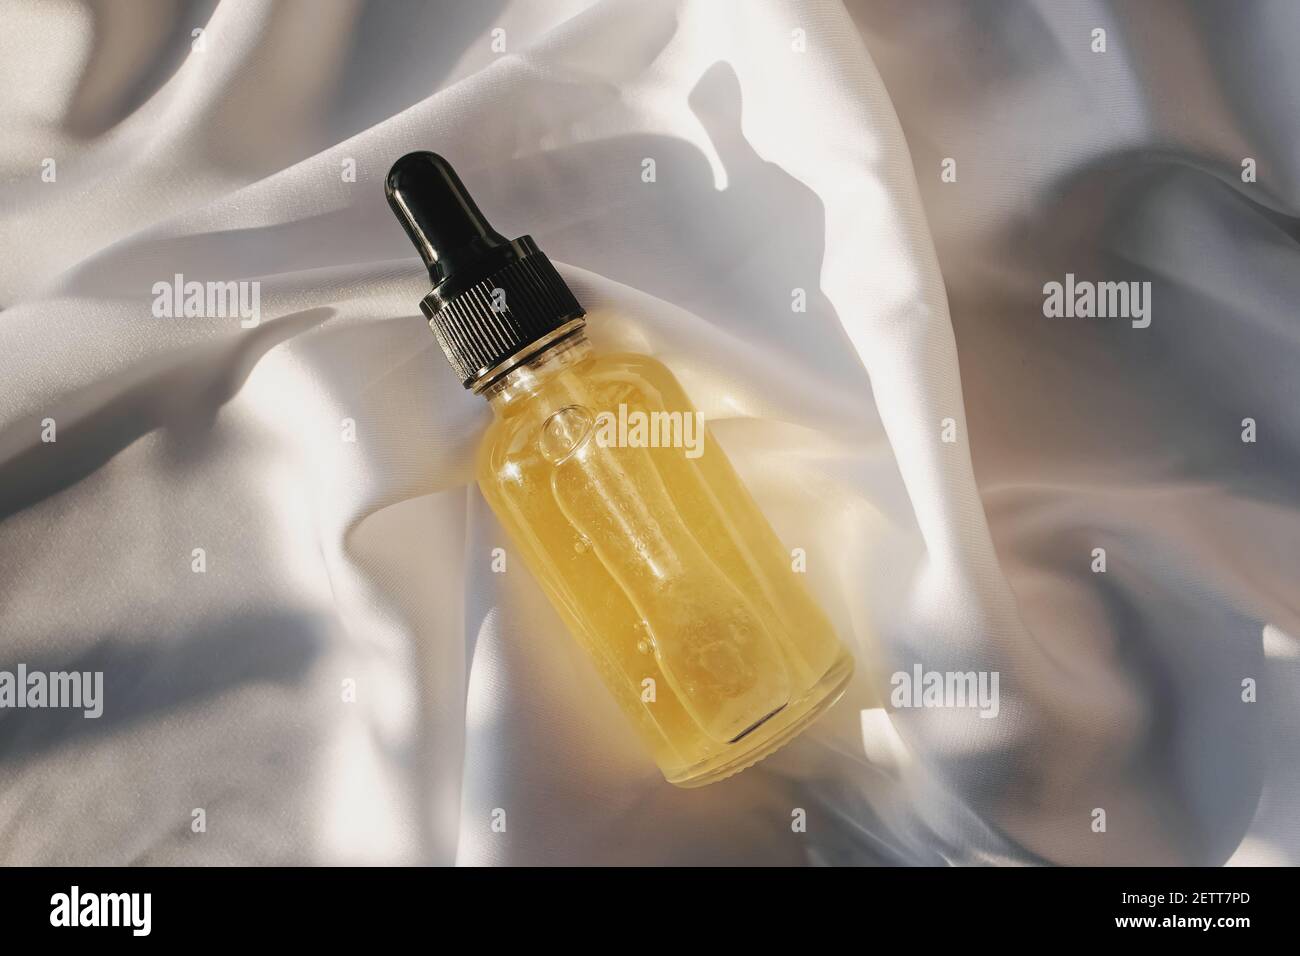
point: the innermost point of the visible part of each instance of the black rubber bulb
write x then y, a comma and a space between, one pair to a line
437, 212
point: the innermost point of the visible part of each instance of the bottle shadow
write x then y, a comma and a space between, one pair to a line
734, 255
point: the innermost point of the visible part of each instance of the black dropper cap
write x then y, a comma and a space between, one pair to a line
492, 297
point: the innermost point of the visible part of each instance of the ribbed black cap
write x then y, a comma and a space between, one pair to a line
491, 297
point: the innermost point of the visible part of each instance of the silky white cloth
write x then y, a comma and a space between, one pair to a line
349, 681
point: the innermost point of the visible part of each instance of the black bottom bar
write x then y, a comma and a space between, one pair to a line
334, 906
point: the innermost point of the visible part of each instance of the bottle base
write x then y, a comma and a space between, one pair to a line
773, 733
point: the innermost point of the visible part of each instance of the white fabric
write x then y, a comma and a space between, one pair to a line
776, 168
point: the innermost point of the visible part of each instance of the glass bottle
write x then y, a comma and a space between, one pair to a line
620, 502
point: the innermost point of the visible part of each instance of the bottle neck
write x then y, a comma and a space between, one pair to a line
565, 349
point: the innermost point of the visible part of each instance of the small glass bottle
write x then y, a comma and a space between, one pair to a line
620, 502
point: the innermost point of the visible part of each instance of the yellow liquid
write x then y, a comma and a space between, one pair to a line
658, 560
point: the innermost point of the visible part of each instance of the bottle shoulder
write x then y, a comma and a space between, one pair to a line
633, 362
600, 383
